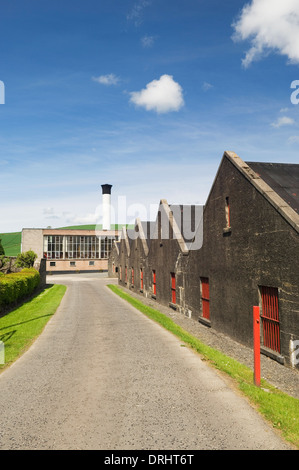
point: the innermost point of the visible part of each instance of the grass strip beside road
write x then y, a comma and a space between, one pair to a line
280, 409
20, 327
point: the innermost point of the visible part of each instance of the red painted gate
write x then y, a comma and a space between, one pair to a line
270, 318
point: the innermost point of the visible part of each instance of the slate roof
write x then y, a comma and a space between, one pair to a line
283, 178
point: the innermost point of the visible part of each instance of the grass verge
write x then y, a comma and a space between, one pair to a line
20, 327
280, 409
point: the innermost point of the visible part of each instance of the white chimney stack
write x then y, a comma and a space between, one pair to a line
106, 200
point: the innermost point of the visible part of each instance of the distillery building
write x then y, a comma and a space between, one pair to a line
244, 253
75, 249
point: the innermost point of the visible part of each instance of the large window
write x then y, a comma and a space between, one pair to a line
77, 247
106, 246
53, 247
82, 247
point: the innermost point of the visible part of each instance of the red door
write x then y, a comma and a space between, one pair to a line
205, 297
173, 291
154, 282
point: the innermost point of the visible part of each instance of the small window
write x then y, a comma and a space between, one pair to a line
227, 212
141, 278
72, 263
52, 263
91, 263
132, 276
205, 297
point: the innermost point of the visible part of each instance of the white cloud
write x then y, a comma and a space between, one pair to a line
163, 95
283, 121
271, 25
109, 79
136, 14
206, 86
147, 41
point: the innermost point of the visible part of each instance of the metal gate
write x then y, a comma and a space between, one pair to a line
270, 318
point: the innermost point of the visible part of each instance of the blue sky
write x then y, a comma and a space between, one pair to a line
143, 94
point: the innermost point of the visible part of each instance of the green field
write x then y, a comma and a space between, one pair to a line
11, 243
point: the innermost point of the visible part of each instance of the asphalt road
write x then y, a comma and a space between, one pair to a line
103, 376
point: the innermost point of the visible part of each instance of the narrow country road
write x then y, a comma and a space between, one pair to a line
103, 376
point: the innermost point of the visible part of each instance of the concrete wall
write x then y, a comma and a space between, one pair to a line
32, 239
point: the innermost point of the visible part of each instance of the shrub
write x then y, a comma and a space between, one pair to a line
16, 286
26, 260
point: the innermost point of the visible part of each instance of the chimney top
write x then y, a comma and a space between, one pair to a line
106, 188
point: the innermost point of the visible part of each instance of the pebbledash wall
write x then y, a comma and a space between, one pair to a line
249, 256
67, 250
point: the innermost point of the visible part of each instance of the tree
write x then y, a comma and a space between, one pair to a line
2, 252
26, 260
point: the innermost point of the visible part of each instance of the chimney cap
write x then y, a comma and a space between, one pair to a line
106, 188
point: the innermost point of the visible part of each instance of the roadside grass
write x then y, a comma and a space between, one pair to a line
278, 408
20, 327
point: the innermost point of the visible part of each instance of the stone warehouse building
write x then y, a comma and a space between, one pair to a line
243, 252
67, 250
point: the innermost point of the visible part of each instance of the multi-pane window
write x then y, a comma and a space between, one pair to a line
84, 247
53, 247
106, 246
77, 247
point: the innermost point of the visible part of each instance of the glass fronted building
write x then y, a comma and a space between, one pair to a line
71, 249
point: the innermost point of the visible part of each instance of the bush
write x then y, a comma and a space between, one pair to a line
26, 260
16, 286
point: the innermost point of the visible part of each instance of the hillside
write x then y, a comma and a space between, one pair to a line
11, 243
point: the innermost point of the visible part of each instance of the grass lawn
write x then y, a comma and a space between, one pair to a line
280, 409
19, 328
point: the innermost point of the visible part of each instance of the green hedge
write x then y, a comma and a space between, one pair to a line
16, 286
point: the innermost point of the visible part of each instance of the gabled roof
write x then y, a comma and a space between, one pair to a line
280, 189
283, 179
